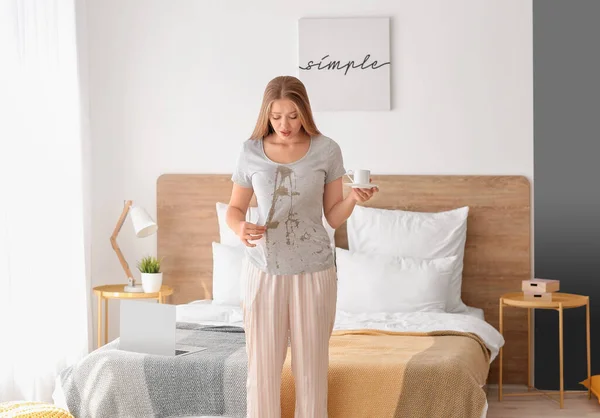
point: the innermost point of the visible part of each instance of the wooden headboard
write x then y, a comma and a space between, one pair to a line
497, 253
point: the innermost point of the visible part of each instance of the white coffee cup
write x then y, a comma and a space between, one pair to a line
359, 176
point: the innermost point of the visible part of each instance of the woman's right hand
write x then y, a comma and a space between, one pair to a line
250, 232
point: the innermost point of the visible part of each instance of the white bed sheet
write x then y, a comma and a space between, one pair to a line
205, 312
190, 308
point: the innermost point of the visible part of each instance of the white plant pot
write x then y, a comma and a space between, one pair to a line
151, 282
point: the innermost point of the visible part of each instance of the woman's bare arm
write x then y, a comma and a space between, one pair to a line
236, 215
337, 209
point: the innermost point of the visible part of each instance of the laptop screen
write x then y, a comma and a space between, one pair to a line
147, 327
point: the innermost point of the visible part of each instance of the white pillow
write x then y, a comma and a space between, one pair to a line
228, 237
371, 283
413, 234
227, 274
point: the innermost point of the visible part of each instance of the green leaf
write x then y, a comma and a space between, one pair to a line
149, 264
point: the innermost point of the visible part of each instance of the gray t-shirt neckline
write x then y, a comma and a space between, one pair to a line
262, 147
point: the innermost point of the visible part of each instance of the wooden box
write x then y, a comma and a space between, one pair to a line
540, 285
546, 297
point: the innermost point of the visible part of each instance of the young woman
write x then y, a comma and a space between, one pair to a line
290, 278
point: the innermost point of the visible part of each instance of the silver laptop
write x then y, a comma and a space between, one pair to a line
150, 328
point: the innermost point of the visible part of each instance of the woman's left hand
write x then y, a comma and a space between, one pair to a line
362, 195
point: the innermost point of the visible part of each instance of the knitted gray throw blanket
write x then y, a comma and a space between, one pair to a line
114, 383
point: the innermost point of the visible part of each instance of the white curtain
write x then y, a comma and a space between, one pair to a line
44, 283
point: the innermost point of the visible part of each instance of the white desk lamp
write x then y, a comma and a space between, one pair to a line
144, 226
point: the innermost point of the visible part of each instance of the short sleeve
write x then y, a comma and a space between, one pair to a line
335, 168
241, 174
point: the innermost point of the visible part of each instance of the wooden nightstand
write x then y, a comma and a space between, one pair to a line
116, 291
559, 302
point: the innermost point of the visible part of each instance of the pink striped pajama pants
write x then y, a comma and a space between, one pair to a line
301, 306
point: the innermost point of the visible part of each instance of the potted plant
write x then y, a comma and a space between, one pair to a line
149, 266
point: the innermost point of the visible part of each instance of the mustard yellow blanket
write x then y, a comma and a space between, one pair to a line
380, 374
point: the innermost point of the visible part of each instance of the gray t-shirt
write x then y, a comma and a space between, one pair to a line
290, 204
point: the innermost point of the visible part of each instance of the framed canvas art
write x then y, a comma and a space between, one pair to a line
345, 62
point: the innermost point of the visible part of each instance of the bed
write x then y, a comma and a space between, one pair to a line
381, 363
118, 384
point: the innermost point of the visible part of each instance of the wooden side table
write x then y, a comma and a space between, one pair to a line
116, 291
560, 302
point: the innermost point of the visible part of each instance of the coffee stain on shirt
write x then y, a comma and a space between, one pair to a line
284, 187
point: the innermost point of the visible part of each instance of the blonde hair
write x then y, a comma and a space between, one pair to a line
285, 87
